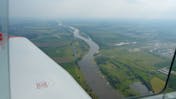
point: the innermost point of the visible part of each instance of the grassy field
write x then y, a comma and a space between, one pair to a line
157, 84
125, 65
125, 68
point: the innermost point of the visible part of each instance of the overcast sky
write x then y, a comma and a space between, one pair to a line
108, 9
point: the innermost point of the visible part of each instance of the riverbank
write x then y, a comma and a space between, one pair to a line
92, 74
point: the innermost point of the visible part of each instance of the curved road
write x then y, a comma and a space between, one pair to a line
93, 76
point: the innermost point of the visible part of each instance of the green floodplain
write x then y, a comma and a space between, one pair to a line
130, 52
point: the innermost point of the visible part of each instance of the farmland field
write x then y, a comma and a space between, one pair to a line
157, 84
131, 57
132, 52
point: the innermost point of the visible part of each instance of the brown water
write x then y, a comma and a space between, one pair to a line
93, 76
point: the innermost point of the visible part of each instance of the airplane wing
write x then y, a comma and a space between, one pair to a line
34, 75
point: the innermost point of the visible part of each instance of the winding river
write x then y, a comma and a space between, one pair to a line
93, 76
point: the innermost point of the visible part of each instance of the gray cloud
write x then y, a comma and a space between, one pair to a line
149, 9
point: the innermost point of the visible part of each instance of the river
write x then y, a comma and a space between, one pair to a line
92, 74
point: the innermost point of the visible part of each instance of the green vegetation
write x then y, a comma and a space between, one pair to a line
157, 84
58, 43
130, 52
125, 68
126, 64
75, 71
66, 58
172, 81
